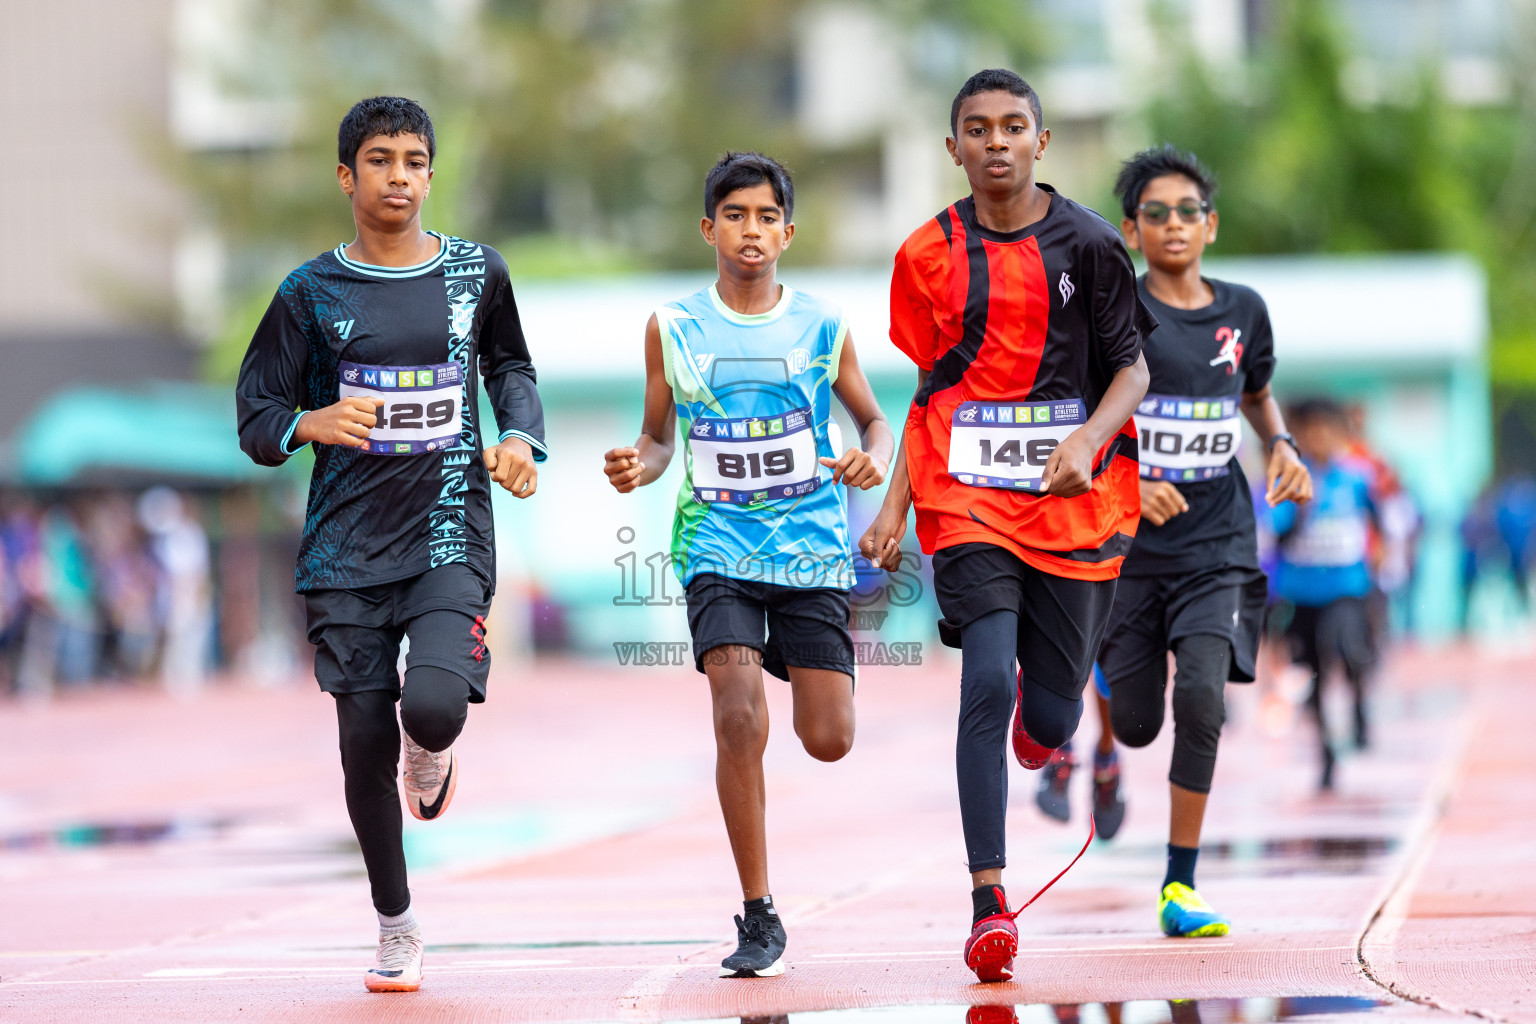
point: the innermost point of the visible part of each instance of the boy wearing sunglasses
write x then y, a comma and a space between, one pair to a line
1191, 583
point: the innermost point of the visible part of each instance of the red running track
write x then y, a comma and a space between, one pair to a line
191, 861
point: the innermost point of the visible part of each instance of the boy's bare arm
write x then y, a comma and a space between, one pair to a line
863, 468
1285, 476
644, 461
881, 543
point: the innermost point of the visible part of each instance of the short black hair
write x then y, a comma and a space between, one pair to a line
382, 115
1318, 409
996, 80
746, 170
1158, 162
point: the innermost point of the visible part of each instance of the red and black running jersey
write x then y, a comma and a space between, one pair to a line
1048, 313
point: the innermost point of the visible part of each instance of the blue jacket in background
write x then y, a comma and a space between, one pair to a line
1325, 545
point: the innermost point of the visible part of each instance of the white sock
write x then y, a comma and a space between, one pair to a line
400, 924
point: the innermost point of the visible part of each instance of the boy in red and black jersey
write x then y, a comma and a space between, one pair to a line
1020, 309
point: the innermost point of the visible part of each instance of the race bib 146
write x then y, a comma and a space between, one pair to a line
423, 405
1007, 444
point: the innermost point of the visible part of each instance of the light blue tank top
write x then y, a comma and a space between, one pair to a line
754, 403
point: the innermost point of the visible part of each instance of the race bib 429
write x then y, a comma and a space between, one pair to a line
422, 409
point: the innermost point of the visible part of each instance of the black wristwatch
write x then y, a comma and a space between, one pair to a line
1287, 438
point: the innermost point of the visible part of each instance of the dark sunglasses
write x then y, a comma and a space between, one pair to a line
1189, 212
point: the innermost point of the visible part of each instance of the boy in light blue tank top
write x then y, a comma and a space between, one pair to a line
746, 370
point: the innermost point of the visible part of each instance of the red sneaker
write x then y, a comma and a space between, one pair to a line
992, 945
1031, 755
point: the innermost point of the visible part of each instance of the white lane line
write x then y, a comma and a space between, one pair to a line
915, 952
831, 958
448, 968
654, 980
641, 1000
331, 972
1163, 947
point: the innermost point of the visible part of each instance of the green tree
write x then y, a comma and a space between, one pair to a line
572, 134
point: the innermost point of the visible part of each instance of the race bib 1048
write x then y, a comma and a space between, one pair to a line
752, 459
423, 405
1007, 444
1187, 438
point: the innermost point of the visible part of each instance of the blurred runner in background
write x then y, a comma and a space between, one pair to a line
1052, 794
1325, 570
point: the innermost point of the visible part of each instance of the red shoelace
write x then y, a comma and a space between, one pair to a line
1012, 914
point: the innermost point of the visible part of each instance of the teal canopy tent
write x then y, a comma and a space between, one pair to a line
179, 431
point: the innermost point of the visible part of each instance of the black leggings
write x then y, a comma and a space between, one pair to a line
1342, 635
1202, 664
433, 706
988, 682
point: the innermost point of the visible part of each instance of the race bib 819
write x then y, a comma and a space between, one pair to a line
1007, 444
423, 405
752, 459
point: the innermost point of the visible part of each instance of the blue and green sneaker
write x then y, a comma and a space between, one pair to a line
1184, 914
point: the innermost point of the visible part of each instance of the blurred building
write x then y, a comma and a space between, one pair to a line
89, 294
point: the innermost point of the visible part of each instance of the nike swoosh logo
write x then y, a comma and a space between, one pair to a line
430, 811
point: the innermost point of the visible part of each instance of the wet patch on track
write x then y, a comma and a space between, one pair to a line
1269, 1010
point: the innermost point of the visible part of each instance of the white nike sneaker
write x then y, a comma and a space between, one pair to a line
397, 968
430, 779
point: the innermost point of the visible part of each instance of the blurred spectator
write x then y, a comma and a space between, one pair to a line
181, 548
106, 585
128, 580
60, 638
22, 583
1514, 516
1497, 535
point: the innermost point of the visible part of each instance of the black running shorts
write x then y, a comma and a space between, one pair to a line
806, 627
1061, 621
1152, 612
357, 632
1340, 632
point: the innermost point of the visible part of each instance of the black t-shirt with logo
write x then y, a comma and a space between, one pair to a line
422, 338
1218, 352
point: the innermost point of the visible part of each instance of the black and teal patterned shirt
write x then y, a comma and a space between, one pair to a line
374, 517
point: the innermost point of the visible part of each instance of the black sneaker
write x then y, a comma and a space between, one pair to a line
1108, 804
1051, 797
760, 942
